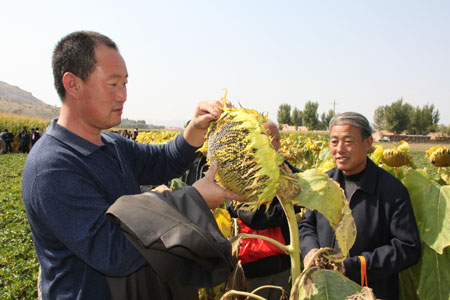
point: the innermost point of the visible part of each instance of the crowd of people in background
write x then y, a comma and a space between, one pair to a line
26, 140
130, 136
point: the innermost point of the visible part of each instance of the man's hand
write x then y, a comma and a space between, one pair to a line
205, 112
213, 194
343, 268
161, 188
309, 255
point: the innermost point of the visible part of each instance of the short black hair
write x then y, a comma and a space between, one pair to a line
75, 53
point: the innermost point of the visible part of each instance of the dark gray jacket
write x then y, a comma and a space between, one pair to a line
387, 234
179, 238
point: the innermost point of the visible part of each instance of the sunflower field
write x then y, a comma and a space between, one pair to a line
425, 174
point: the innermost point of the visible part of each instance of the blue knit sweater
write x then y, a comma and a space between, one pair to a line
68, 184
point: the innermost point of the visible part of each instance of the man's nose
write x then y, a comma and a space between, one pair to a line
340, 147
122, 94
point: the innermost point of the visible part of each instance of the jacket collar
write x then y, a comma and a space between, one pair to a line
367, 183
74, 141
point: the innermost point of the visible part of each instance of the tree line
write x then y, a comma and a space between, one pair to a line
398, 117
140, 124
402, 117
308, 117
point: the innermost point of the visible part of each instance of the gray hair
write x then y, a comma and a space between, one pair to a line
354, 119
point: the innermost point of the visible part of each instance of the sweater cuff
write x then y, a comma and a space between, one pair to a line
183, 145
353, 268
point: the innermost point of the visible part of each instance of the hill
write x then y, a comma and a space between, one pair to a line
14, 100
17, 101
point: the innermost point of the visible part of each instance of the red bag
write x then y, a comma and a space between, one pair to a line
255, 249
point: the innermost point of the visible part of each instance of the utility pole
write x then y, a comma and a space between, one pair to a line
334, 107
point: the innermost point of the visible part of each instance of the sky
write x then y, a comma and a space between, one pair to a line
345, 55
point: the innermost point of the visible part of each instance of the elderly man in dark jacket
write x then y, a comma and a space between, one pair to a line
387, 240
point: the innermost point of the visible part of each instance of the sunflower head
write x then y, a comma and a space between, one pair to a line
439, 156
398, 156
248, 164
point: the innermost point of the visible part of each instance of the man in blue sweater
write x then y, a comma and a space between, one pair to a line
75, 172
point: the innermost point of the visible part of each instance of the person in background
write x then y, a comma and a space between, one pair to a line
38, 132
35, 135
78, 170
266, 265
387, 239
8, 138
2, 143
135, 134
125, 134
24, 137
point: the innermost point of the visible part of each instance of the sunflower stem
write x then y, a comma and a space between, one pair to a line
294, 246
262, 237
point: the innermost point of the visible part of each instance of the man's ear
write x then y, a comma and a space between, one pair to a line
369, 142
72, 84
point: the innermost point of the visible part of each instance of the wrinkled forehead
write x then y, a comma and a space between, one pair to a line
110, 62
345, 131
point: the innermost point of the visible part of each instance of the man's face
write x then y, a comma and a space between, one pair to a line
272, 130
348, 150
104, 93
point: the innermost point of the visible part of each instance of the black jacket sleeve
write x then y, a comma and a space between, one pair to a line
260, 218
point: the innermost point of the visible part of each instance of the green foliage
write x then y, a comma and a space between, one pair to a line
424, 120
326, 118
327, 285
434, 274
431, 207
306, 150
428, 279
398, 116
284, 114
140, 124
317, 136
297, 117
311, 116
379, 118
18, 262
443, 128
333, 205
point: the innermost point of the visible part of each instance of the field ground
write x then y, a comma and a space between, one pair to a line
18, 262
415, 147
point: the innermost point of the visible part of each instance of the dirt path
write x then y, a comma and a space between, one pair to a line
416, 147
